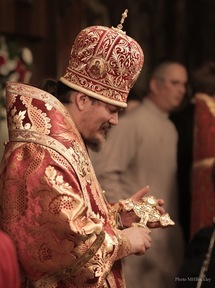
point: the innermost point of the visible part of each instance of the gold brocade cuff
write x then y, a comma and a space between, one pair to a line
124, 245
114, 216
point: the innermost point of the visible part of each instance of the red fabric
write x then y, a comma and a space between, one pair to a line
203, 194
53, 207
9, 275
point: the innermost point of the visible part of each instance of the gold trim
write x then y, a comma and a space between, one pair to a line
93, 94
208, 162
206, 262
209, 101
68, 271
20, 135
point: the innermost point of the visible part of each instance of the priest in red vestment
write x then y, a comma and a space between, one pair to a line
52, 206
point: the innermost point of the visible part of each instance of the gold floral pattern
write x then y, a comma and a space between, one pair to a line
101, 51
52, 205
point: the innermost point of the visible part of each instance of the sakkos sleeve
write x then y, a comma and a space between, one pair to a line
58, 238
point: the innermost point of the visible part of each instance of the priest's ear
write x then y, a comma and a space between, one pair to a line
82, 101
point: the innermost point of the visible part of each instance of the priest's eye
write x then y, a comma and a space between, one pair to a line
114, 110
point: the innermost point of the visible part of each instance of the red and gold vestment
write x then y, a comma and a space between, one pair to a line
51, 203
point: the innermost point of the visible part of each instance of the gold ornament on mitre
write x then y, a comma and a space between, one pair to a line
120, 25
147, 211
104, 63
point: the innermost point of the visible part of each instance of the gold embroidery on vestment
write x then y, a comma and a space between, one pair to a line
68, 271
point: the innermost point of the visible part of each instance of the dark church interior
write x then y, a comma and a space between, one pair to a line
182, 30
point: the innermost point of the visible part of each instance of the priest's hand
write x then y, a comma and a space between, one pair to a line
139, 239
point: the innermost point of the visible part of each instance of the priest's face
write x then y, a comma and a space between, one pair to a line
93, 118
96, 123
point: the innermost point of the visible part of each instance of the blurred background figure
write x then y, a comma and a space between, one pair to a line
195, 126
142, 150
9, 275
203, 192
135, 98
